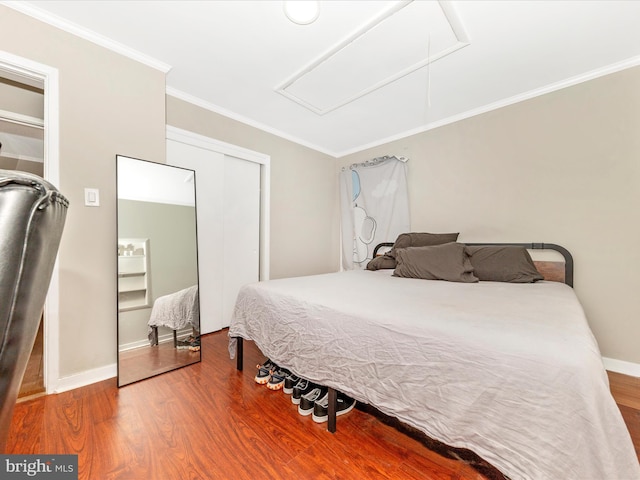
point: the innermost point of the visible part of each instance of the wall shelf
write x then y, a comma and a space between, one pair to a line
130, 274
134, 289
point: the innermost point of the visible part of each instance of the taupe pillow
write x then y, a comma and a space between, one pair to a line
404, 240
448, 261
414, 239
385, 261
503, 264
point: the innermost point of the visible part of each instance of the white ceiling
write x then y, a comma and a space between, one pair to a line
360, 75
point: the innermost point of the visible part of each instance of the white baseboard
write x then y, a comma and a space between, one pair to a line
88, 377
167, 337
621, 366
85, 378
133, 345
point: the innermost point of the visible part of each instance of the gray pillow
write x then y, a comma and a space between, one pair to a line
448, 261
414, 239
385, 261
506, 263
404, 240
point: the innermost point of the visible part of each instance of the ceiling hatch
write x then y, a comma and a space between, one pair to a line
402, 39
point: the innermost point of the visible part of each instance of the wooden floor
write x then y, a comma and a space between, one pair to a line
146, 362
626, 391
209, 421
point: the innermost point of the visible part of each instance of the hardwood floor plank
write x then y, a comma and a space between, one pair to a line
625, 389
145, 362
391, 448
632, 419
27, 425
209, 421
317, 462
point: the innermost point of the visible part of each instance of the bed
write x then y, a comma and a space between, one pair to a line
510, 371
175, 311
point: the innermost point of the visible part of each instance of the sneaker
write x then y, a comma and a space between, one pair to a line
276, 382
194, 344
303, 387
308, 400
321, 408
264, 372
289, 382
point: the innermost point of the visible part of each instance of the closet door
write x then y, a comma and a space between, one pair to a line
228, 216
241, 229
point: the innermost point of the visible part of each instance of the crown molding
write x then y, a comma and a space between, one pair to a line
585, 77
85, 33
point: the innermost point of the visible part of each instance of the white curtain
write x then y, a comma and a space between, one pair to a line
374, 207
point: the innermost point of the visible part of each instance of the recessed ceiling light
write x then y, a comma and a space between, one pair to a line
302, 12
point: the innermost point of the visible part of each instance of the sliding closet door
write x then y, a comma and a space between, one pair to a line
241, 229
209, 168
228, 216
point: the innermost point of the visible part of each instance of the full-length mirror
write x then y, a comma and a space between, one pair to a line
158, 301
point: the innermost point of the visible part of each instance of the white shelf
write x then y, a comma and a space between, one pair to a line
133, 279
130, 274
130, 290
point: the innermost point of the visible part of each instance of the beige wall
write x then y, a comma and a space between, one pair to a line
562, 168
304, 221
108, 104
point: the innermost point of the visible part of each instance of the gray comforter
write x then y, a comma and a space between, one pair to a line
176, 310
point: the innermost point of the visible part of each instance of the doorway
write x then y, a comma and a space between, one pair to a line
22, 149
35, 74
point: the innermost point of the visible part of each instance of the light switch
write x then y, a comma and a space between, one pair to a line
91, 197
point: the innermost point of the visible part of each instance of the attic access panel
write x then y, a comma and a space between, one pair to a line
402, 39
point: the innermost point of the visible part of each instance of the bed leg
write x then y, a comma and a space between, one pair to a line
239, 348
175, 339
333, 402
154, 336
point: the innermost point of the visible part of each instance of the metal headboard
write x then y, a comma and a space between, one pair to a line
568, 258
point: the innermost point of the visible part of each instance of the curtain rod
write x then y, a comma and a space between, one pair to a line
376, 161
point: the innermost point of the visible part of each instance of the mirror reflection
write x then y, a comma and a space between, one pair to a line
158, 301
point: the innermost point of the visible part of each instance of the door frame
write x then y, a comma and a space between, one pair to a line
208, 143
29, 70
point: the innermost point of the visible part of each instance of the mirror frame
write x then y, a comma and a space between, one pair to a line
141, 246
